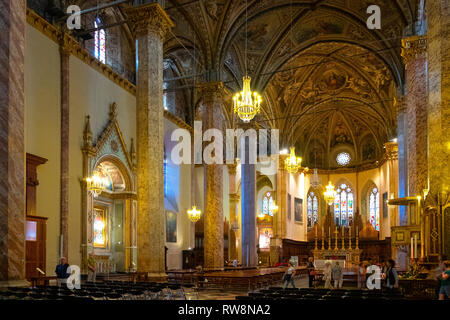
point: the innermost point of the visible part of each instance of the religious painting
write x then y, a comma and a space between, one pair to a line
289, 214
298, 212
100, 227
399, 236
264, 238
385, 206
171, 226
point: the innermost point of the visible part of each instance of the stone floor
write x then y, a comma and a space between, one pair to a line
230, 294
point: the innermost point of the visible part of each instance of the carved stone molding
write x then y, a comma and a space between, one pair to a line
212, 91
149, 18
391, 150
70, 45
413, 48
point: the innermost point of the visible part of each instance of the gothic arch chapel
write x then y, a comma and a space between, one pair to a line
211, 142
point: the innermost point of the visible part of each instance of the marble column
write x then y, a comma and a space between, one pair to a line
280, 217
234, 201
64, 148
414, 55
212, 103
150, 23
12, 149
438, 53
402, 136
248, 208
438, 14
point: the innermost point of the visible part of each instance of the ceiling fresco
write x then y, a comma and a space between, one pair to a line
327, 81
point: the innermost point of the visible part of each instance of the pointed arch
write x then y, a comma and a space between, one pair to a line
370, 205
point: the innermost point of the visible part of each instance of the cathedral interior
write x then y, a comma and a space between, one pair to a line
97, 93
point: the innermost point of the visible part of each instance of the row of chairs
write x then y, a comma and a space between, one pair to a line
103, 291
321, 294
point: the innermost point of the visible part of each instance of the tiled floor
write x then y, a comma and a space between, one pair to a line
229, 294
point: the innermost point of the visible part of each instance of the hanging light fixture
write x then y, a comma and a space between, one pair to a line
194, 214
274, 208
330, 194
96, 183
293, 163
247, 104
315, 181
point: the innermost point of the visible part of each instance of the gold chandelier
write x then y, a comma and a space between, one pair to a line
293, 163
330, 194
194, 214
96, 183
274, 208
247, 104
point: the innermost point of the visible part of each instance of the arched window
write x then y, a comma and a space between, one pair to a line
267, 207
374, 208
313, 207
100, 42
343, 206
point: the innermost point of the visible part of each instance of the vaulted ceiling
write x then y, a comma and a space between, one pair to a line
328, 82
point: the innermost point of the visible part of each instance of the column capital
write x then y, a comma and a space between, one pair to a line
413, 48
67, 44
212, 91
149, 18
232, 168
400, 104
235, 197
391, 150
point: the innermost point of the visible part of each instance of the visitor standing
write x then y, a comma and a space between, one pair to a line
438, 273
338, 275
311, 271
289, 276
445, 282
327, 275
61, 272
391, 275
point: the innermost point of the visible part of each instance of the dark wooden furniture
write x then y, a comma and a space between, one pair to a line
41, 281
35, 226
36, 233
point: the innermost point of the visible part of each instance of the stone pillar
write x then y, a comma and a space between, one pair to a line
149, 24
439, 95
414, 56
64, 162
234, 200
402, 136
280, 217
12, 149
438, 17
392, 189
248, 204
212, 103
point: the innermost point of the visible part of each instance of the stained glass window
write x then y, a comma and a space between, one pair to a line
312, 209
343, 206
267, 207
100, 42
374, 208
343, 158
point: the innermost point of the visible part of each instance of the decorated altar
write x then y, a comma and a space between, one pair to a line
338, 250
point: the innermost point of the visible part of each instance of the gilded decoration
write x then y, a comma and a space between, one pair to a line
413, 48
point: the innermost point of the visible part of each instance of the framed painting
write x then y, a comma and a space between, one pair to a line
171, 226
289, 213
298, 210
